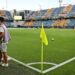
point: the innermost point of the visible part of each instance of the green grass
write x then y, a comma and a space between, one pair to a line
25, 46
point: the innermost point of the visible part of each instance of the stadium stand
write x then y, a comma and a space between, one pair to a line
47, 23
47, 15
61, 17
2, 13
7, 16
60, 23
29, 23
72, 12
41, 13
29, 17
34, 15
65, 11
56, 12
71, 23
54, 17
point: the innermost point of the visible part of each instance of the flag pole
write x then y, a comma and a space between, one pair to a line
43, 41
42, 55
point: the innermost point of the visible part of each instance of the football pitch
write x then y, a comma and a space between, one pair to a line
59, 56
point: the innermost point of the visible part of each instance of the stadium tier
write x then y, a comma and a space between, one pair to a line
48, 13
6, 14
65, 11
8, 17
71, 23
72, 12
56, 12
63, 17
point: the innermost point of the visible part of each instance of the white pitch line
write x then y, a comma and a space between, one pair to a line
49, 63
9, 58
59, 65
35, 69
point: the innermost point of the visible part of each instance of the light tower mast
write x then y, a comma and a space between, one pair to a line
60, 3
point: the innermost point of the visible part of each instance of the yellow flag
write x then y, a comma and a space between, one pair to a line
43, 36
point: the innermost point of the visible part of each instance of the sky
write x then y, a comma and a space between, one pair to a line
32, 4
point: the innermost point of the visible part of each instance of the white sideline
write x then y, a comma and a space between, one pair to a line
9, 58
35, 69
49, 63
59, 65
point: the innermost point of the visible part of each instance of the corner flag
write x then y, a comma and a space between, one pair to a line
43, 36
45, 41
